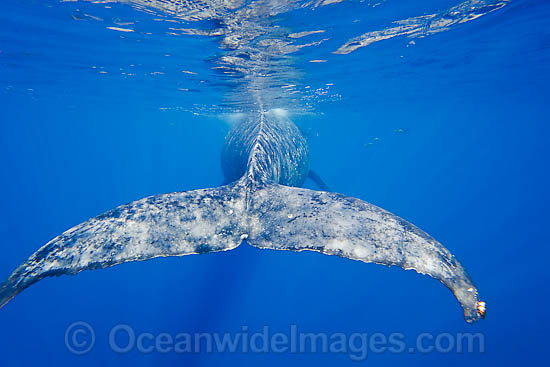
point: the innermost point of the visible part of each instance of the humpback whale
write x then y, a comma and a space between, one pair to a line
265, 159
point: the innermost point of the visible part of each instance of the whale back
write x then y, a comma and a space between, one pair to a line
266, 148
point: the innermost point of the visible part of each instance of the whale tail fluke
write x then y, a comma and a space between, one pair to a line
290, 218
7, 292
269, 216
175, 224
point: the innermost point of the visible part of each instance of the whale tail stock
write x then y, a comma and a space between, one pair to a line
268, 216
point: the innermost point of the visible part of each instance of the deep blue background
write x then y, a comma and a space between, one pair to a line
471, 170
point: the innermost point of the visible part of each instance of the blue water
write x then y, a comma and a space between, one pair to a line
450, 132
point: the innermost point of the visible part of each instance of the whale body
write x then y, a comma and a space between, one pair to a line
265, 159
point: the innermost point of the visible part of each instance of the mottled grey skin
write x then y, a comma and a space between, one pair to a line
264, 158
266, 149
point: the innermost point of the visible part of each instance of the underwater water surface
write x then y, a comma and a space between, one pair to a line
436, 111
